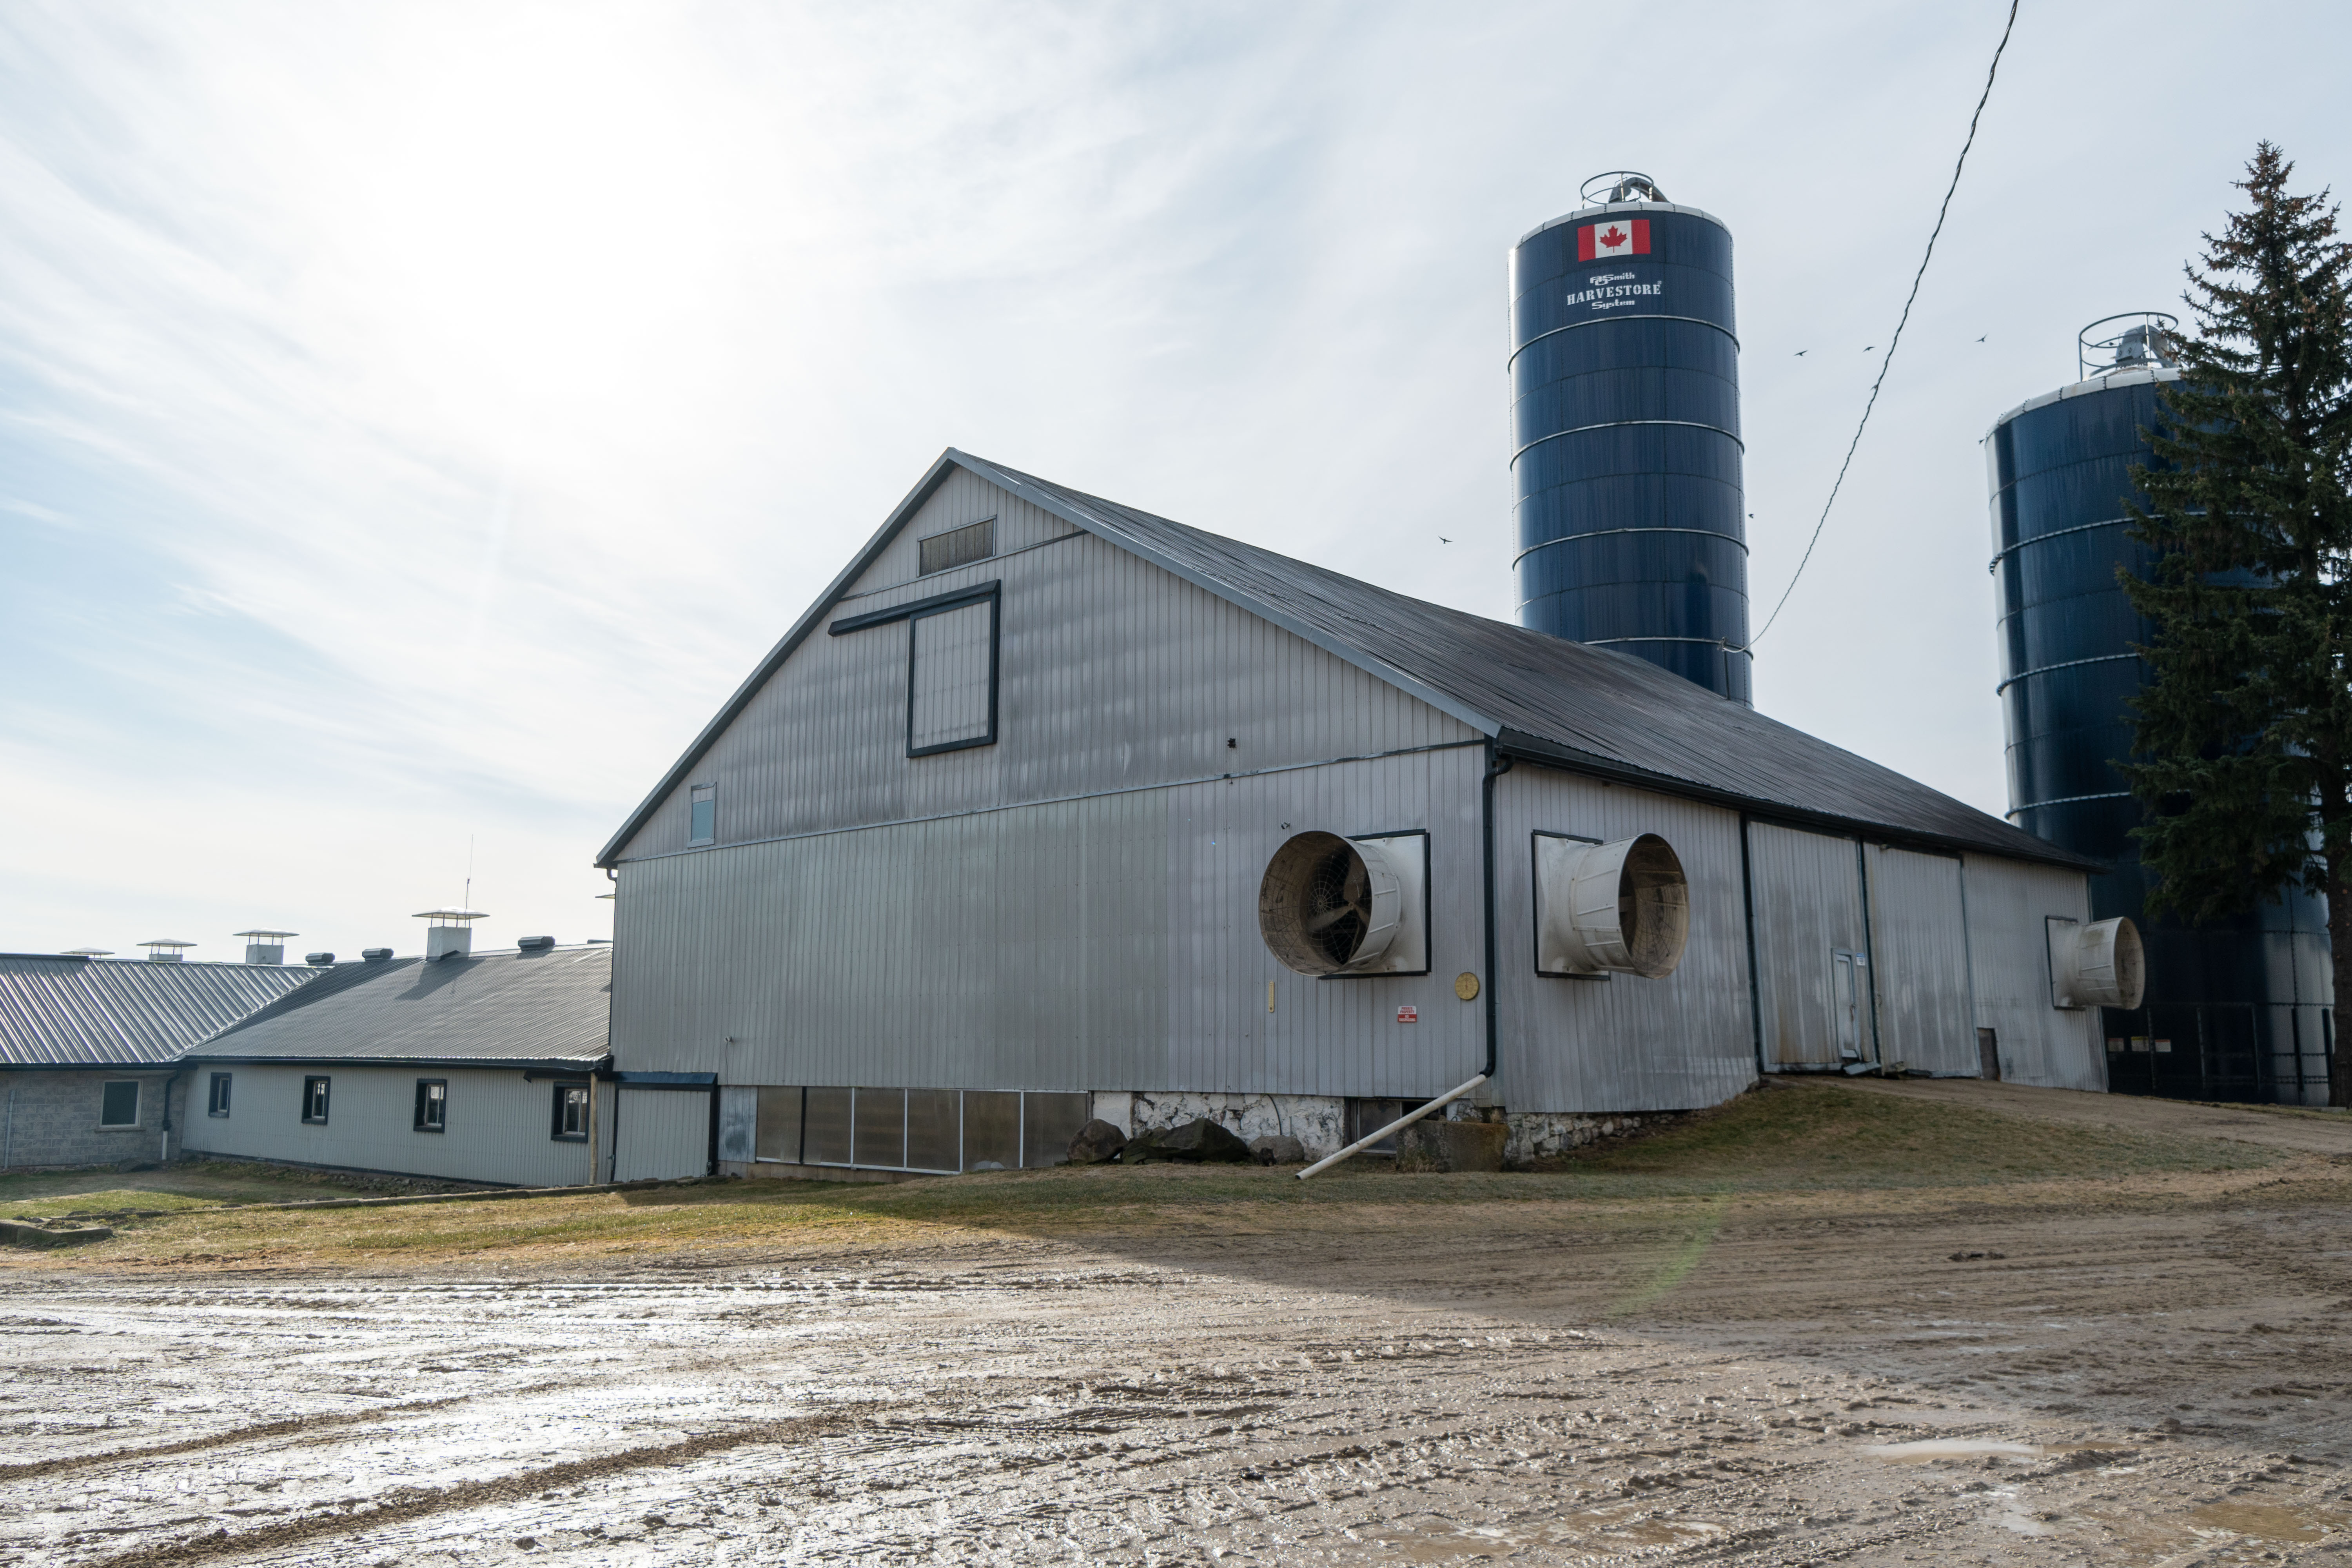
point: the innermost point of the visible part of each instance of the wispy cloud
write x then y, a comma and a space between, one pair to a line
413, 419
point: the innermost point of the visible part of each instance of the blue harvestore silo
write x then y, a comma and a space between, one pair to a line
2241, 1011
1625, 434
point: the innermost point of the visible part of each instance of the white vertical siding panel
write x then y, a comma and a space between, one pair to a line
1624, 1043
499, 1124
1808, 902
1919, 961
2009, 902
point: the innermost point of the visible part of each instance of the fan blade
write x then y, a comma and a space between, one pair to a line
1331, 918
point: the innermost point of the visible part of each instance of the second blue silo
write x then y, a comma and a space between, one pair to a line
2240, 1010
1625, 445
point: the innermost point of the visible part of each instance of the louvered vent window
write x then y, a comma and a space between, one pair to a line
702, 813
951, 686
957, 547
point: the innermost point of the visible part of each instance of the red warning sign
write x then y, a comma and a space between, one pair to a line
1408, 1013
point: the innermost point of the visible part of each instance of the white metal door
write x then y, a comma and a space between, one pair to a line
1850, 1005
664, 1133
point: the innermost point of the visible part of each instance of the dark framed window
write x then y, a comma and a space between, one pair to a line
432, 1105
571, 1120
952, 678
702, 813
956, 547
118, 1104
314, 1098
217, 1096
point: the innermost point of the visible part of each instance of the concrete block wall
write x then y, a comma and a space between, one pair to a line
50, 1116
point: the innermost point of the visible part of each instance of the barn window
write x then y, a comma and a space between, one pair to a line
432, 1105
217, 1099
702, 813
118, 1104
571, 1124
952, 678
957, 547
314, 1098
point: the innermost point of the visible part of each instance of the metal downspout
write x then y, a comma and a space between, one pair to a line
1754, 973
1497, 766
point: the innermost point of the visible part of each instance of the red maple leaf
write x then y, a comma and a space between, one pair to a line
1613, 238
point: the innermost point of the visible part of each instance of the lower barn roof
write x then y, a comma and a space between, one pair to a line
505, 1009
57, 1011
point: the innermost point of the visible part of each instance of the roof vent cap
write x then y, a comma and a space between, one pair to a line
535, 943
375, 954
166, 948
318, 958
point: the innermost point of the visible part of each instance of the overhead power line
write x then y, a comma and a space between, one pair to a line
1892, 342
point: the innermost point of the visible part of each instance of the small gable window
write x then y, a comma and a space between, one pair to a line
957, 547
702, 814
952, 678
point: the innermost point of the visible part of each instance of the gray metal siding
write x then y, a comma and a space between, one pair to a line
1107, 943
1113, 674
948, 695
2009, 901
498, 1123
1809, 903
1623, 1044
664, 1133
1919, 945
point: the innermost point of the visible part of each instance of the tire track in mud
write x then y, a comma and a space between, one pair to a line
409, 1503
32, 1470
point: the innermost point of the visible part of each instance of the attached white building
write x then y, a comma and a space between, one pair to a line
979, 850
476, 1067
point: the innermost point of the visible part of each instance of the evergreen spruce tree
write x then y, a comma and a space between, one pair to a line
2244, 732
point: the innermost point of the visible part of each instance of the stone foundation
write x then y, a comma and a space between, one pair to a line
1320, 1122
1537, 1134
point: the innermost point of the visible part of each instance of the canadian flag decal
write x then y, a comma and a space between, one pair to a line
1600, 241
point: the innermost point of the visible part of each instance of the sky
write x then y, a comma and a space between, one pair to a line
414, 420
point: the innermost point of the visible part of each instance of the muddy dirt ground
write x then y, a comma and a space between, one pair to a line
2159, 1376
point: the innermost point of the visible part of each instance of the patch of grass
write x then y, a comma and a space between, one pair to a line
1801, 1135
1789, 1139
205, 1184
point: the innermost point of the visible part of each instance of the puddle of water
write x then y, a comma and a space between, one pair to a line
1947, 1448
2021, 1524
1601, 1532
2265, 1522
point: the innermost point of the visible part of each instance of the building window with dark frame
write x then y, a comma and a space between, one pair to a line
952, 678
702, 813
118, 1104
217, 1095
314, 1099
570, 1121
956, 547
432, 1105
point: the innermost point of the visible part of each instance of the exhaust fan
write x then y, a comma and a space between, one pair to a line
1330, 905
1609, 908
2097, 965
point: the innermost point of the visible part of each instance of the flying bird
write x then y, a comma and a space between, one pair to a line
1803, 352
1443, 540
1981, 340
1867, 347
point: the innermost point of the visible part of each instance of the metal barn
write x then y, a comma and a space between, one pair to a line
987, 844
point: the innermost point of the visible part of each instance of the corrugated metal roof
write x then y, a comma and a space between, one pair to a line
1584, 707
98, 1012
550, 1005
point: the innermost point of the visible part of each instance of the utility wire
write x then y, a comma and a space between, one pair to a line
1896, 339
